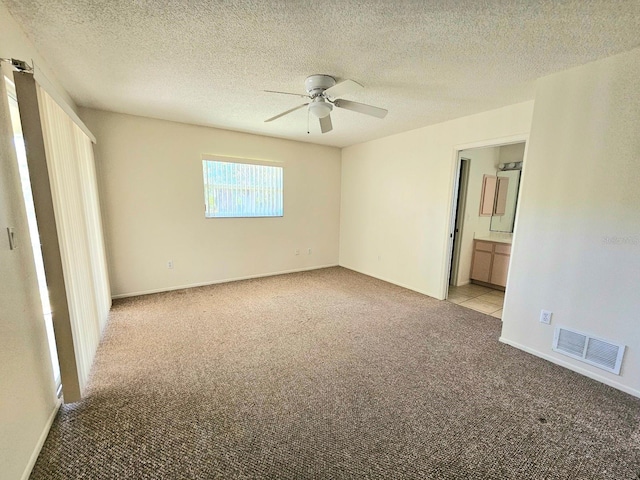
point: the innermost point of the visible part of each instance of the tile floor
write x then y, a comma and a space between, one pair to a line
476, 297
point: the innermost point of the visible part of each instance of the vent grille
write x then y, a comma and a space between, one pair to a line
595, 351
602, 353
571, 342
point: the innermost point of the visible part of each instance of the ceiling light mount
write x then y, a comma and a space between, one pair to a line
315, 85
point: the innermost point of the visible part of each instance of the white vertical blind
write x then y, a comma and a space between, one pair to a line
70, 162
234, 189
94, 226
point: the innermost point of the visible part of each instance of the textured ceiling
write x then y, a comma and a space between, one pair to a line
207, 62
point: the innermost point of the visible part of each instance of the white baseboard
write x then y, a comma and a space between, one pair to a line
43, 436
215, 282
575, 368
379, 277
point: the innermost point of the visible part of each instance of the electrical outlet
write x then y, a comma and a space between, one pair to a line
297, 251
170, 264
545, 316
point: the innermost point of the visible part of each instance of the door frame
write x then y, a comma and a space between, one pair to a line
455, 168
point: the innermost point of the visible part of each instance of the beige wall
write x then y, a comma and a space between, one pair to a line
150, 173
27, 391
577, 241
397, 196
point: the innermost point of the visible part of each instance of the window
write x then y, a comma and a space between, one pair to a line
233, 189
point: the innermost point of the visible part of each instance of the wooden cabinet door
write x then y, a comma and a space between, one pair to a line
500, 269
481, 265
488, 198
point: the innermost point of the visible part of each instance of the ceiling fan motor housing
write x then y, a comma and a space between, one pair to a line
317, 84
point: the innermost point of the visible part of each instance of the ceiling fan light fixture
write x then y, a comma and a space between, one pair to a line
324, 93
320, 108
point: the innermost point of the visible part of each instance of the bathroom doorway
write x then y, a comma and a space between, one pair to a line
483, 217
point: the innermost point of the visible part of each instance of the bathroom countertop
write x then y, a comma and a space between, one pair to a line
496, 237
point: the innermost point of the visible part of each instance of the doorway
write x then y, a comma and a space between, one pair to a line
483, 212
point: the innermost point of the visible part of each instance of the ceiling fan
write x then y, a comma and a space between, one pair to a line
323, 92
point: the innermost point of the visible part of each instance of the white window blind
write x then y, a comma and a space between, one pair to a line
70, 162
234, 189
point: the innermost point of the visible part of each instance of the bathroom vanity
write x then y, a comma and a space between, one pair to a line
490, 262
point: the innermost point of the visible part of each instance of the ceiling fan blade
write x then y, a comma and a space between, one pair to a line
325, 124
287, 93
285, 113
343, 88
361, 108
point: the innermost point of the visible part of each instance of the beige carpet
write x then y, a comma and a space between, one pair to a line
330, 374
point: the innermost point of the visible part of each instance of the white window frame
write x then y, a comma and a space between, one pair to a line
275, 209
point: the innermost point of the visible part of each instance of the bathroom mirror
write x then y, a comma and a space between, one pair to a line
504, 217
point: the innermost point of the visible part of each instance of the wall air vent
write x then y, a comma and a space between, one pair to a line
589, 349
